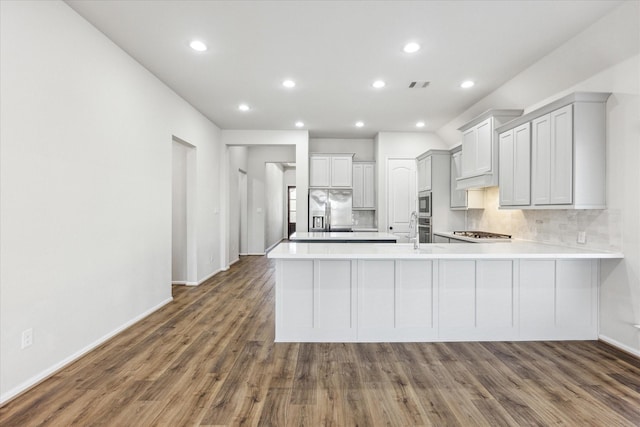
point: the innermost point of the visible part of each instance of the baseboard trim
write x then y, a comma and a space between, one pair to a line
619, 345
234, 261
256, 254
209, 277
37, 379
178, 282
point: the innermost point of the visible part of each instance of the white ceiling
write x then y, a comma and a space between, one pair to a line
334, 50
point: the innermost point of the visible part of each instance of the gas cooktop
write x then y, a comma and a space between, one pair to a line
481, 235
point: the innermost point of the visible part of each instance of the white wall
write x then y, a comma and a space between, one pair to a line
179, 213
603, 58
237, 160
398, 145
361, 147
85, 189
274, 203
258, 157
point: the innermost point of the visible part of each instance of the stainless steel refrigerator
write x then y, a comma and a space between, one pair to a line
330, 210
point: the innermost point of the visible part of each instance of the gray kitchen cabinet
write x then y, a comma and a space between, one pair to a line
553, 158
515, 166
424, 173
480, 151
568, 154
364, 185
330, 170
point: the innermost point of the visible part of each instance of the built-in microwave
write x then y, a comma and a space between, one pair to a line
424, 203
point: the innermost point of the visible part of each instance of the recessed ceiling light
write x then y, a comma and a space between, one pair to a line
411, 47
299, 124
198, 45
243, 107
420, 124
378, 84
289, 83
467, 84
359, 124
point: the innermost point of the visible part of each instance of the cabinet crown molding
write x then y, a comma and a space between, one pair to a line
600, 97
490, 113
432, 152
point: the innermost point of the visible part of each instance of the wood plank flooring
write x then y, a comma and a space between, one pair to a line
208, 359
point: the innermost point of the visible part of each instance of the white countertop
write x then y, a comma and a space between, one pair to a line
516, 249
321, 236
450, 234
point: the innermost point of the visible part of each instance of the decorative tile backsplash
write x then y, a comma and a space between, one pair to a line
363, 219
603, 228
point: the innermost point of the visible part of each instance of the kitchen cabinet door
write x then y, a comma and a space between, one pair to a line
358, 185
363, 185
319, 171
341, 171
477, 146
469, 147
552, 152
427, 173
561, 189
541, 159
522, 165
514, 164
458, 197
424, 174
484, 147
506, 150
369, 182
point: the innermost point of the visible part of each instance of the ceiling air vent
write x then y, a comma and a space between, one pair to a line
418, 85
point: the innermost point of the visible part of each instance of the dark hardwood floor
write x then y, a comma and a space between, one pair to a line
209, 358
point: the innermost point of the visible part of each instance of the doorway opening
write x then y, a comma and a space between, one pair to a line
243, 243
183, 192
291, 210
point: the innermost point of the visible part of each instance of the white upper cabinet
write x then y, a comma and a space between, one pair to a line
567, 155
561, 190
330, 170
553, 158
369, 181
484, 147
480, 151
515, 166
341, 171
364, 185
319, 171
424, 173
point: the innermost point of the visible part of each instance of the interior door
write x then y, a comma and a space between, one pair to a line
402, 196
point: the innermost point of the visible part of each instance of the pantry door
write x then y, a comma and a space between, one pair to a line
401, 196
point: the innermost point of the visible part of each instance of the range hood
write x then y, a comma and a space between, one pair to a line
480, 149
477, 182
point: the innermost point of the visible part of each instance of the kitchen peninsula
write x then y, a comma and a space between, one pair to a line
329, 292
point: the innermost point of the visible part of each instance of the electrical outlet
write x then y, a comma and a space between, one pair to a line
27, 338
582, 237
